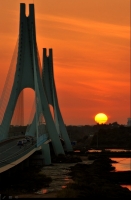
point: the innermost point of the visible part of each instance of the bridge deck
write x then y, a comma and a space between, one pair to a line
10, 151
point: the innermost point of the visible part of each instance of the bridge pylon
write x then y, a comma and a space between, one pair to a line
50, 89
28, 75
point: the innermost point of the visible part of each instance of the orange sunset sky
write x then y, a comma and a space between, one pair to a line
91, 51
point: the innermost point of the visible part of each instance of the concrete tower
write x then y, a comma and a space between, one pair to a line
27, 75
50, 88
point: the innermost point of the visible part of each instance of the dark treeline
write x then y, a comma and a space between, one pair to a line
101, 136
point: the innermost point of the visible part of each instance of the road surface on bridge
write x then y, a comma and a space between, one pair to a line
9, 150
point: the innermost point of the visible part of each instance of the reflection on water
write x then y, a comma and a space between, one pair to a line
58, 173
118, 150
44, 191
112, 150
94, 150
124, 164
76, 151
63, 186
127, 186
67, 178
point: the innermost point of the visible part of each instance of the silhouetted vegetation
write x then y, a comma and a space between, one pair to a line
117, 137
94, 182
101, 136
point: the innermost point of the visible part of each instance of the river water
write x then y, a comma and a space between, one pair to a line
58, 172
124, 164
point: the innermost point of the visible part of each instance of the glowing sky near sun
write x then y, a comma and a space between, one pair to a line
91, 50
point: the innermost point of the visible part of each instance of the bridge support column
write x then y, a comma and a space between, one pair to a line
46, 154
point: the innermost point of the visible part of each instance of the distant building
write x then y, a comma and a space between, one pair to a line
129, 122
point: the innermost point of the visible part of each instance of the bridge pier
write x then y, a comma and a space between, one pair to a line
46, 154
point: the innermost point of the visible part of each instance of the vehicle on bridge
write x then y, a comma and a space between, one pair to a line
20, 143
28, 139
24, 141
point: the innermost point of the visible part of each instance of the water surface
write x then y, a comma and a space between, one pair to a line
124, 164
58, 172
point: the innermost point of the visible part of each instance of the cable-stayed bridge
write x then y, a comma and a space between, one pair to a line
46, 125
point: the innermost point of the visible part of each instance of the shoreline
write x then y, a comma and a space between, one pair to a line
76, 169
96, 181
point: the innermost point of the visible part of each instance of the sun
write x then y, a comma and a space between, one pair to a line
101, 118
